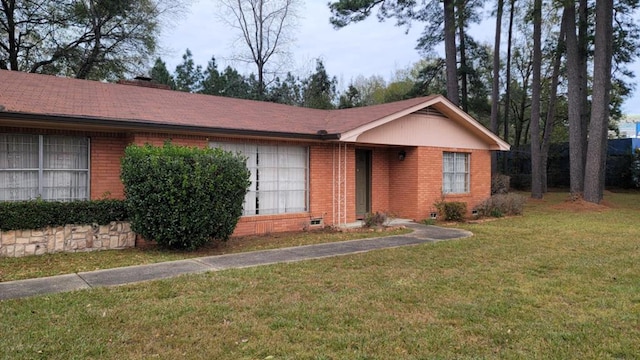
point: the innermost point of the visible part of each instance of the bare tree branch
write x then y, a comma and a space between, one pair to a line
265, 28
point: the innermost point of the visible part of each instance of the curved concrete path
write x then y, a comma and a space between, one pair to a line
133, 274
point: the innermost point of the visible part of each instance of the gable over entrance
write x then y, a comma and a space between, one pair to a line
434, 122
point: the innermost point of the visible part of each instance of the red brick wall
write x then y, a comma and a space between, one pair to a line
380, 162
106, 153
321, 187
267, 224
403, 183
415, 184
351, 183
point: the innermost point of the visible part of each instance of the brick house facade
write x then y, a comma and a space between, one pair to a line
399, 158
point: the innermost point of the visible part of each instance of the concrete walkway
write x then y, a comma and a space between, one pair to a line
133, 274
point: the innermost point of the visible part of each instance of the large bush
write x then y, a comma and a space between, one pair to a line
501, 205
183, 197
37, 214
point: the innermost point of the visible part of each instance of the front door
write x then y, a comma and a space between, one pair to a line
363, 182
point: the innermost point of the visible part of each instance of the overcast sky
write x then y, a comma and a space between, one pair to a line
366, 48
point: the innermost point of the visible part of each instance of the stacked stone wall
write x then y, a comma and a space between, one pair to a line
68, 238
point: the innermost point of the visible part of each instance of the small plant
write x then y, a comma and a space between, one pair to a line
500, 205
496, 213
376, 219
451, 210
429, 222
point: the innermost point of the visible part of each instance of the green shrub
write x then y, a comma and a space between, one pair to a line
375, 219
37, 214
183, 197
500, 205
452, 210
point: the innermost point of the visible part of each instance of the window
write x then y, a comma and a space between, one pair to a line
455, 173
50, 167
278, 177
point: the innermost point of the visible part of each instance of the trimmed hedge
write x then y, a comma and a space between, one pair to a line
37, 214
183, 197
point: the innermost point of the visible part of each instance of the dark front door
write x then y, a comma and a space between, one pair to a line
363, 182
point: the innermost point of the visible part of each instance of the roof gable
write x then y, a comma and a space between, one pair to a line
444, 125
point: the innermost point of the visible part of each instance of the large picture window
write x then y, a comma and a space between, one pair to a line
278, 177
455, 173
49, 167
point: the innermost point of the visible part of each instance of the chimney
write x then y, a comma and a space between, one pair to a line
144, 81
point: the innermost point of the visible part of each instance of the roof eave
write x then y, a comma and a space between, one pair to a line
129, 125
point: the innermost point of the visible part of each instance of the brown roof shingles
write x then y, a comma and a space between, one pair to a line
50, 95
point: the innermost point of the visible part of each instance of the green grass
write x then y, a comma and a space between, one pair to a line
556, 283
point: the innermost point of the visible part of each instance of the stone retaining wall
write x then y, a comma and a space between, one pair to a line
69, 238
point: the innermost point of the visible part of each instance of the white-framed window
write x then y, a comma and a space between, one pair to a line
279, 177
50, 167
455, 172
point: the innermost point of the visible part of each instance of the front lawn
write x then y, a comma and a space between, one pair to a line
560, 282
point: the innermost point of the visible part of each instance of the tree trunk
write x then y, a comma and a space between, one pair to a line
583, 55
536, 168
8, 7
450, 51
597, 148
551, 105
520, 112
90, 61
464, 98
507, 95
495, 86
575, 94
261, 86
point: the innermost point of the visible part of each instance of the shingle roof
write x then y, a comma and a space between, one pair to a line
64, 97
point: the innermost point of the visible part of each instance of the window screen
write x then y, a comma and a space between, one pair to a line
49, 167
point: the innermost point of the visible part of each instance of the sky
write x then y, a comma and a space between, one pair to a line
366, 48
